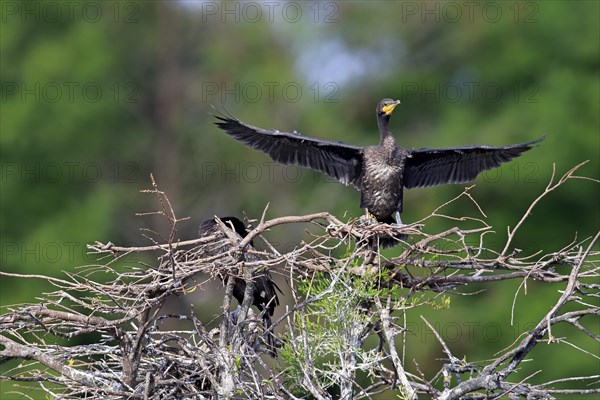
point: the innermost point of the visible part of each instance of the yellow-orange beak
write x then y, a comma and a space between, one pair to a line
387, 109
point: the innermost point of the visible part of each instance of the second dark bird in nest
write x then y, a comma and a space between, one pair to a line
379, 172
264, 295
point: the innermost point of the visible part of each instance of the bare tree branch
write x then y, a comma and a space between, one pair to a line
343, 291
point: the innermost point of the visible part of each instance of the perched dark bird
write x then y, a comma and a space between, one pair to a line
264, 296
379, 172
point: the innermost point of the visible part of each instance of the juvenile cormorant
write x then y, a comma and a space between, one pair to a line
264, 295
379, 172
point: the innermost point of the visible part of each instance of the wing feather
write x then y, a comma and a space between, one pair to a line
430, 167
338, 160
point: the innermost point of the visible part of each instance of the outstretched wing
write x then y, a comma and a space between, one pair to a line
338, 160
430, 167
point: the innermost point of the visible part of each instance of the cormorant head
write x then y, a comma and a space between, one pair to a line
386, 106
238, 226
231, 222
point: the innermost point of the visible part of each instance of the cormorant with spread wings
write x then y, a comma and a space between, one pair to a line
379, 172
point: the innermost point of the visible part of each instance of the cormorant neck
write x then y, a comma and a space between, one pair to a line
383, 122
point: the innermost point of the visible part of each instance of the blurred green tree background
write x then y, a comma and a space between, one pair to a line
95, 96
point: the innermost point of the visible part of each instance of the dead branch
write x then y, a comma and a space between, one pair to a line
343, 292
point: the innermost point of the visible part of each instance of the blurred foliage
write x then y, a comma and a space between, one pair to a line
98, 95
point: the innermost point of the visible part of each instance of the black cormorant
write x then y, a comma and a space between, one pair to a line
379, 172
265, 289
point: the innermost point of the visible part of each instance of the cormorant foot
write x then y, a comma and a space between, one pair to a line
367, 219
398, 219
